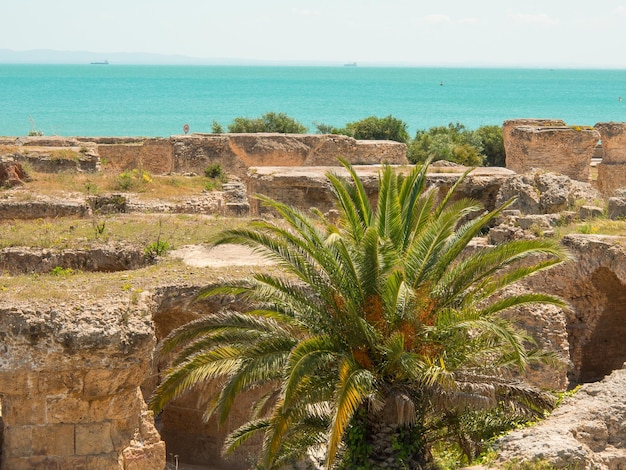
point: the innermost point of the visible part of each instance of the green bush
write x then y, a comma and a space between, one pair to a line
375, 128
453, 142
269, 122
214, 170
493, 145
216, 127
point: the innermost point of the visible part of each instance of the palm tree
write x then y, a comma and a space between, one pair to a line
381, 325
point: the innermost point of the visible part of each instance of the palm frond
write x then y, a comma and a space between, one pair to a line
355, 384
243, 433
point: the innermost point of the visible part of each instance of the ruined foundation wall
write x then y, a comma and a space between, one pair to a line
238, 152
594, 285
69, 389
612, 169
565, 150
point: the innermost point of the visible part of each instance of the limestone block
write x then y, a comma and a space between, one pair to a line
93, 439
121, 405
18, 441
53, 440
611, 177
590, 212
564, 150
14, 382
103, 382
613, 135
148, 457
509, 124
60, 382
66, 409
39, 462
24, 410
578, 434
617, 208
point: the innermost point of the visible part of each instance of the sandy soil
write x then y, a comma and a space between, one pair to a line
201, 256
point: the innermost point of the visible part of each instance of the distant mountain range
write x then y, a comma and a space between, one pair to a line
46, 56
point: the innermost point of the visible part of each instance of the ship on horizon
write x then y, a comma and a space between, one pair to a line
105, 62
351, 64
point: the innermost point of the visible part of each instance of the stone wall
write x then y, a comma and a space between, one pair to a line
238, 152
612, 169
594, 285
307, 187
508, 125
153, 155
561, 149
235, 152
69, 388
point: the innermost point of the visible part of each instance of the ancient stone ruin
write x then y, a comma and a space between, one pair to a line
74, 375
612, 168
557, 148
69, 388
551, 145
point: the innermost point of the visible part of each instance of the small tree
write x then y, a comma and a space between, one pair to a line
216, 127
380, 324
375, 128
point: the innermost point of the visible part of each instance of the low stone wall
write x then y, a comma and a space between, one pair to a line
234, 152
306, 187
238, 152
42, 208
69, 389
612, 169
106, 258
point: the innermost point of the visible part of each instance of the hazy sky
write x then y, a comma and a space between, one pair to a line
439, 32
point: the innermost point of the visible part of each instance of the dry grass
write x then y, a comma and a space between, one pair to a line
597, 226
88, 287
136, 228
152, 187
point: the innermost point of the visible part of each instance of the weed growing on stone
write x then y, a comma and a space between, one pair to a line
134, 180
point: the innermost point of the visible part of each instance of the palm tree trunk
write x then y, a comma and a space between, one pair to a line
372, 442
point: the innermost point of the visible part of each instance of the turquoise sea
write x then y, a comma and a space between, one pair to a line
126, 100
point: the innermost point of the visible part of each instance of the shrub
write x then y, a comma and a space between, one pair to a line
454, 143
493, 145
269, 122
214, 170
134, 180
375, 128
216, 128
61, 271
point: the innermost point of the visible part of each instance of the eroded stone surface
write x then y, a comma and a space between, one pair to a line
562, 149
587, 431
612, 168
306, 187
69, 382
543, 192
